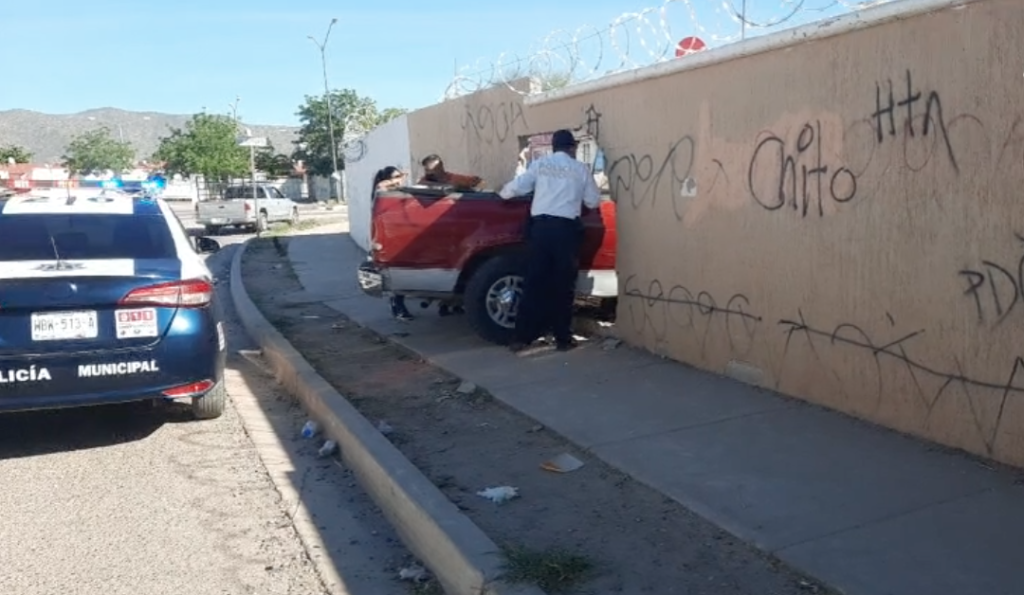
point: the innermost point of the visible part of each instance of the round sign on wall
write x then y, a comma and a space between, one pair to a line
689, 45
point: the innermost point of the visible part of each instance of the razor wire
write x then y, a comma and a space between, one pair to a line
636, 39
356, 126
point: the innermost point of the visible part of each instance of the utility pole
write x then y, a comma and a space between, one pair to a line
743, 20
234, 110
335, 176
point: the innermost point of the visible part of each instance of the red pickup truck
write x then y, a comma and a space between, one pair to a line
466, 248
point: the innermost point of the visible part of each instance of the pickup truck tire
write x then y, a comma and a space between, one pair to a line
492, 317
212, 404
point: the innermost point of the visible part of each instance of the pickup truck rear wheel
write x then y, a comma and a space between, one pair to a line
492, 297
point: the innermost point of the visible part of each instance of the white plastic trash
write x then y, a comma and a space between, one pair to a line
499, 494
310, 429
414, 573
328, 448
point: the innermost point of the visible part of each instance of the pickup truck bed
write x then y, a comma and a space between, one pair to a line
468, 248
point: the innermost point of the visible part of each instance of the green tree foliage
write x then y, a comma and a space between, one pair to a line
349, 110
97, 151
18, 154
208, 145
272, 163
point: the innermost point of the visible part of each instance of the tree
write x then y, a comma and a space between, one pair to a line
208, 145
272, 163
349, 110
18, 154
97, 151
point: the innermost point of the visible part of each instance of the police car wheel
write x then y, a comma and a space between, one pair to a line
488, 311
211, 405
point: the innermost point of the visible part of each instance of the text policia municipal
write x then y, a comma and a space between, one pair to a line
34, 374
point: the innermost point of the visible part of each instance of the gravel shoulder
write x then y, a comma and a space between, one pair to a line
589, 531
142, 500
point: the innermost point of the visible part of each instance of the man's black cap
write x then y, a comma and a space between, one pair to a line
563, 139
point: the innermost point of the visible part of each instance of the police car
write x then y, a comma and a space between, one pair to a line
105, 299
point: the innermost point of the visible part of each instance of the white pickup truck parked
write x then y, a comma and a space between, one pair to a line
239, 209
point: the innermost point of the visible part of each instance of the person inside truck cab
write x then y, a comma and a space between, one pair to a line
390, 178
435, 173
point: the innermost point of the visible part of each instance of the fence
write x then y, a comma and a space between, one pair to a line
672, 30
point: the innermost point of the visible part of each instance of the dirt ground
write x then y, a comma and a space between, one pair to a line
634, 539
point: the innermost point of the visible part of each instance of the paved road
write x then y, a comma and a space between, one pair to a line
139, 500
185, 211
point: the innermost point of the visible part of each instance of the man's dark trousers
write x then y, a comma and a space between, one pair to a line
549, 290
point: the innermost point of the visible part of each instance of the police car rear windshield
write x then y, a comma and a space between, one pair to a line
84, 237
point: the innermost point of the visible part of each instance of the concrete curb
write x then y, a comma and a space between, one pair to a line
464, 560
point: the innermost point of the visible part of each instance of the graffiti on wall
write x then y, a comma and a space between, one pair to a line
794, 173
810, 171
655, 309
916, 119
494, 123
897, 349
996, 289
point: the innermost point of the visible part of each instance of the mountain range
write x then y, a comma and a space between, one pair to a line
46, 135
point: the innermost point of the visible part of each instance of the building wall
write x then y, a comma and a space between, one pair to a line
840, 219
479, 134
383, 146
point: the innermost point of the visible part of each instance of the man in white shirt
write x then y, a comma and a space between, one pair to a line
561, 185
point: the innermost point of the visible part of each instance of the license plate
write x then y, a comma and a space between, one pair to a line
63, 326
218, 220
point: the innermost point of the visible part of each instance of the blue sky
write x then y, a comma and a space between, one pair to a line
182, 56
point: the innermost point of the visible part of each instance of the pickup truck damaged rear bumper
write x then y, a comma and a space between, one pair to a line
371, 280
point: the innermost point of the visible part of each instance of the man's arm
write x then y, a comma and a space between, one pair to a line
521, 184
591, 193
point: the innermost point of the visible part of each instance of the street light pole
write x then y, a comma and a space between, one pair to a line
335, 177
234, 109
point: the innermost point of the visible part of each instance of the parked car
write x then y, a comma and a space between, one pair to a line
105, 299
238, 208
467, 248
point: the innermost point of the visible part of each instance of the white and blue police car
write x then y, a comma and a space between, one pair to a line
105, 299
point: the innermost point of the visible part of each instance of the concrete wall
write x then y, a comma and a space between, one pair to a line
840, 219
478, 134
385, 145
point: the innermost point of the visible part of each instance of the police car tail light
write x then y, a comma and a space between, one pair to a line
192, 293
189, 390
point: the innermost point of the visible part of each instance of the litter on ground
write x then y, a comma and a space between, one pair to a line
499, 494
414, 573
563, 463
328, 448
310, 429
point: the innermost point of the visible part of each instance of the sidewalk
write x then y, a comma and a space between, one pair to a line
860, 508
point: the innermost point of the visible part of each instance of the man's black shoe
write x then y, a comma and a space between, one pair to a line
566, 345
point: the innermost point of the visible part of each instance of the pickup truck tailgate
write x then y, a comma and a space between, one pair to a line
221, 212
